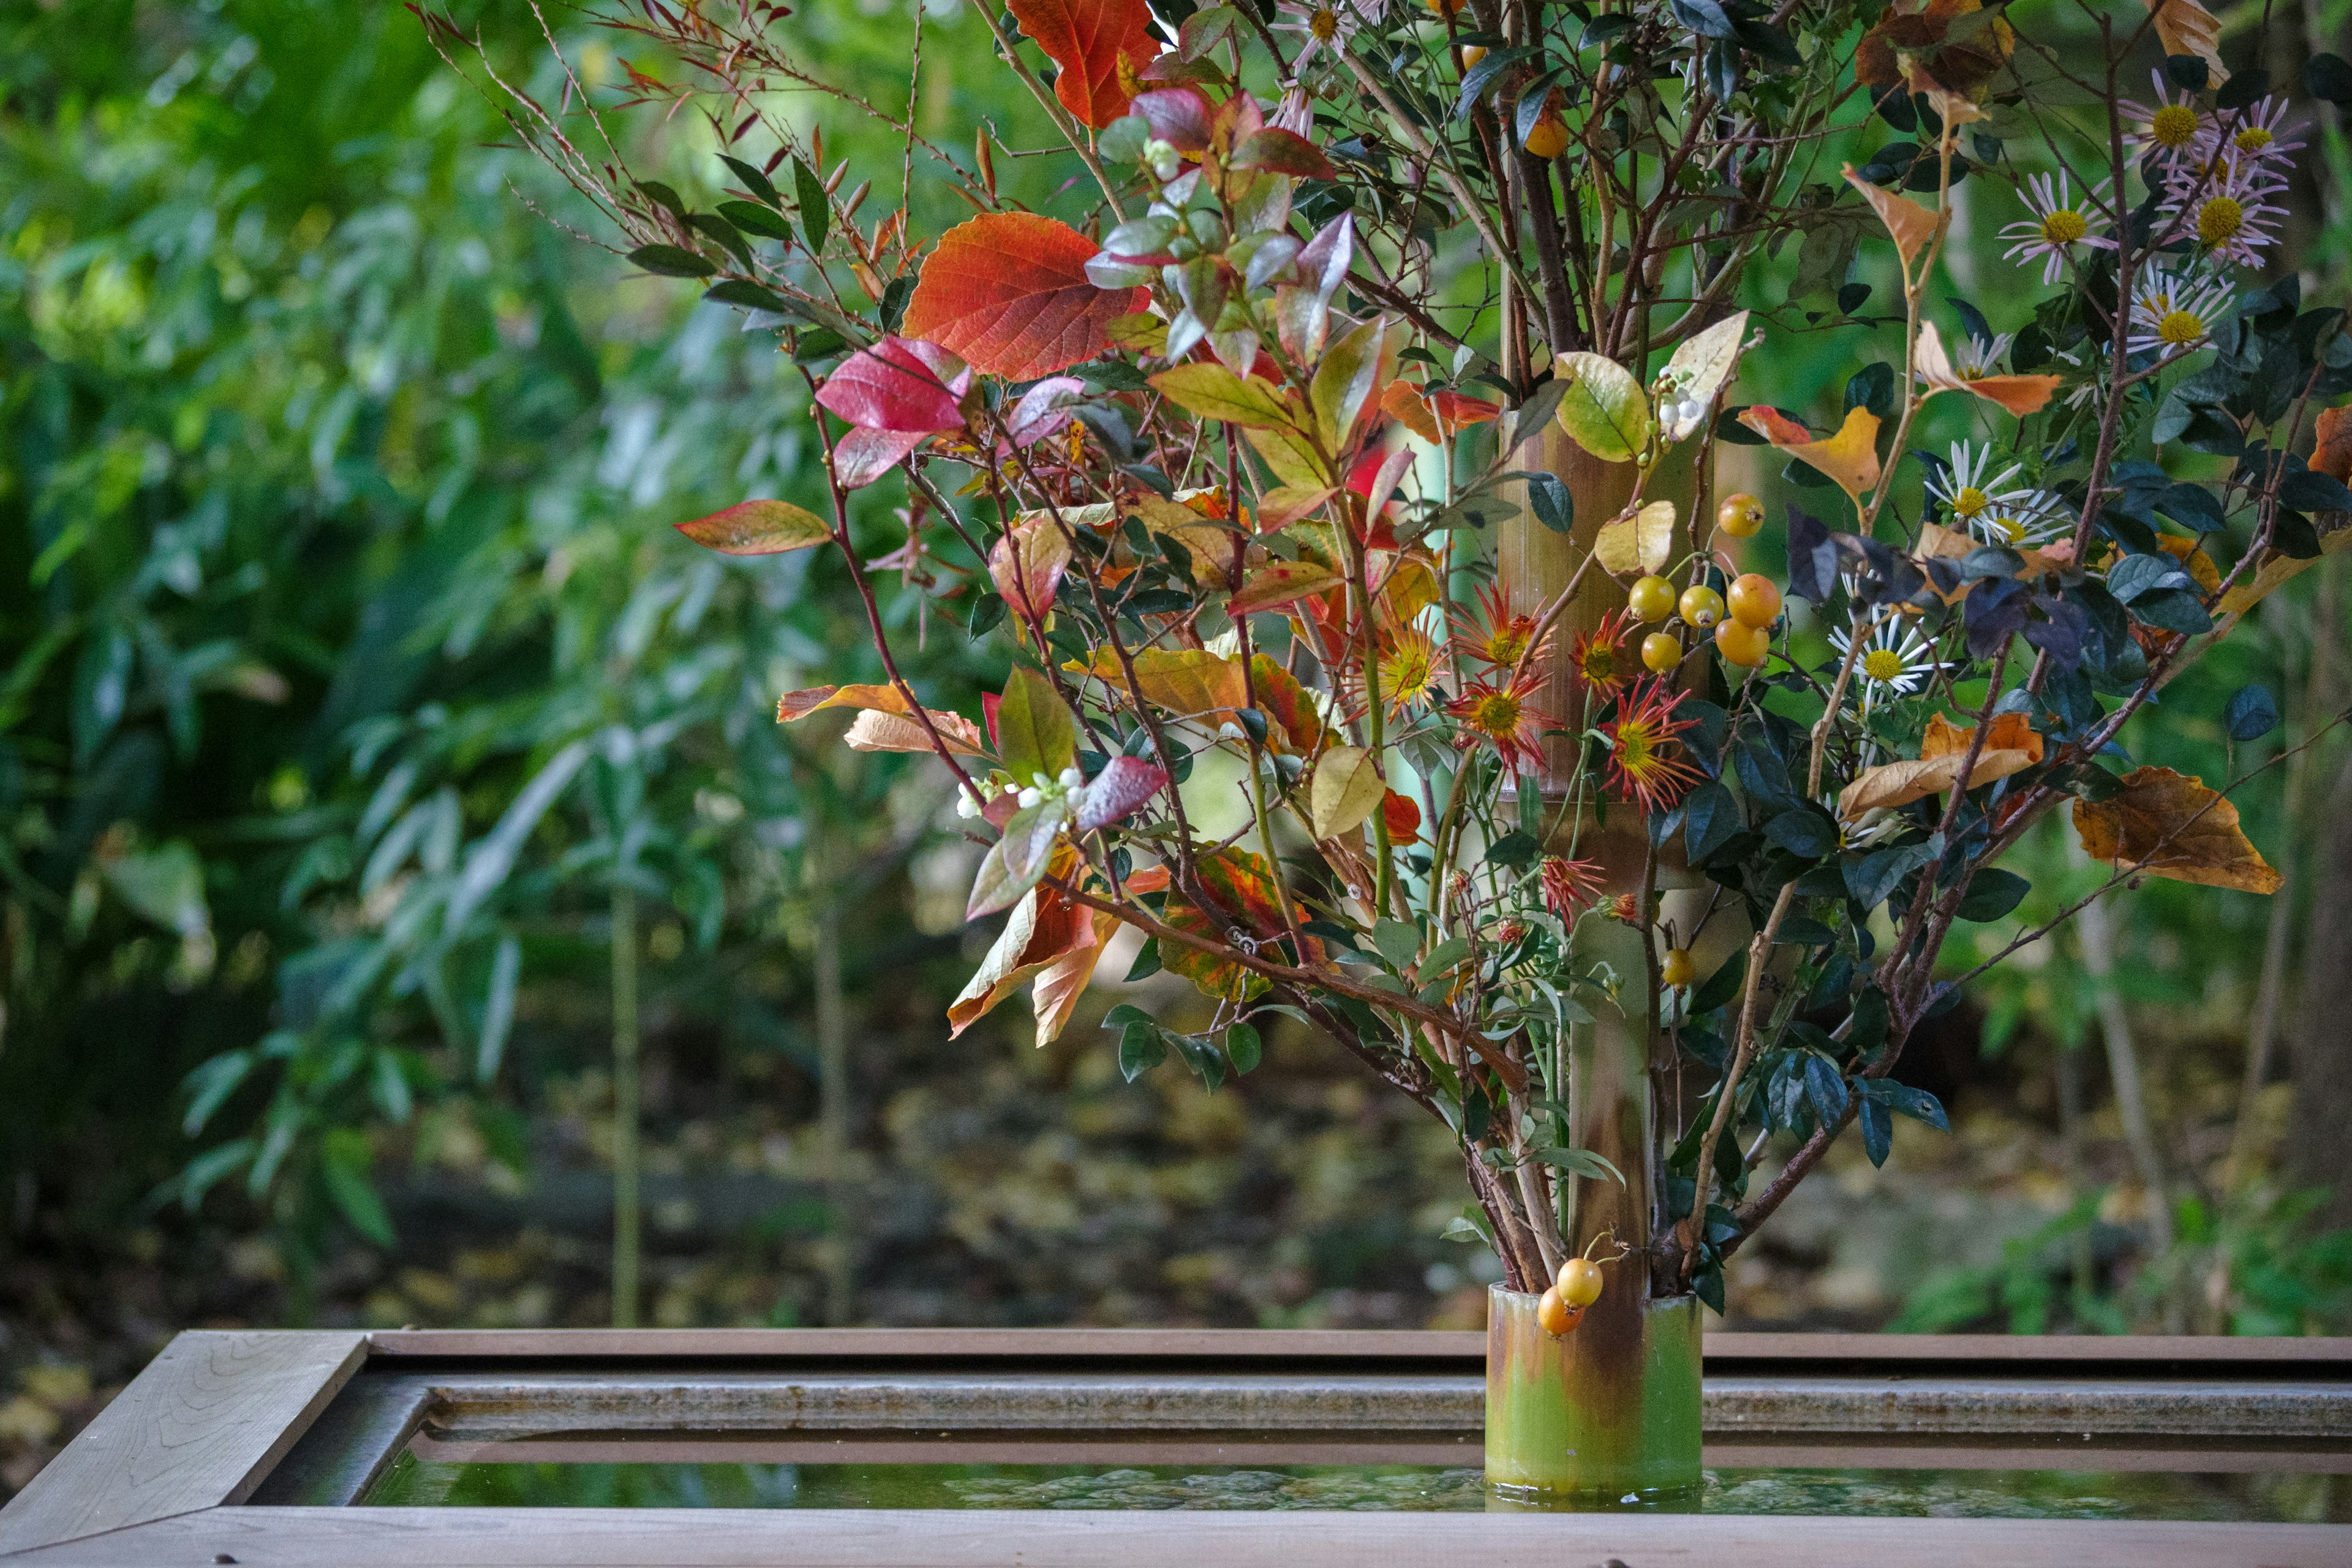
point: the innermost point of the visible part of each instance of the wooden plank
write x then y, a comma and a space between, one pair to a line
199, 1427
513, 1345
824, 1538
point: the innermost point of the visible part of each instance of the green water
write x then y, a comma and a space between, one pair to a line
1958, 1494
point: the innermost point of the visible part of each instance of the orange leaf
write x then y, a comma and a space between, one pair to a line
1400, 401
800, 704
2331, 454
1046, 926
876, 702
2012, 745
2010, 733
1850, 456
1912, 225
872, 732
1279, 582
2020, 395
2169, 825
1297, 726
1008, 293
1091, 40
1402, 816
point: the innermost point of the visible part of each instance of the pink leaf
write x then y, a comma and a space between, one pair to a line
1121, 788
899, 385
1282, 152
863, 457
1179, 116
1043, 409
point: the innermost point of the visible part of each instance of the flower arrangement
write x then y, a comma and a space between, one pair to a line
1340, 476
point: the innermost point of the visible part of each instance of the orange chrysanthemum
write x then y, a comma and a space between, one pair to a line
1598, 656
1567, 886
1505, 718
1496, 637
1645, 758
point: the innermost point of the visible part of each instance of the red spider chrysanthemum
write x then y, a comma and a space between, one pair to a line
1626, 907
1495, 635
1568, 886
1505, 718
1645, 759
1598, 656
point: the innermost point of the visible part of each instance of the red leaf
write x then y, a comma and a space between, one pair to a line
863, 457
1179, 116
1122, 787
1283, 153
1043, 409
897, 384
1009, 291
1090, 41
1402, 816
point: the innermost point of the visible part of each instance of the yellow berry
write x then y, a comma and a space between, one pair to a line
1755, 600
1675, 969
1580, 1283
1555, 1315
1472, 53
1661, 651
1739, 515
1547, 137
1742, 644
1702, 606
1651, 599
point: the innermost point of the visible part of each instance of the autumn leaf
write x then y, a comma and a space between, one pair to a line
757, 528
1209, 391
873, 731
899, 385
1188, 683
2169, 825
2332, 450
1295, 724
1603, 409
1026, 564
1912, 225
1118, 792
1091, 40
961, 733
1036, 731
1009, 292
1850, 456
1924, 34
2185, 27
1058, 986
1237, 883
1403, 814
2018, 395
1280, 583
2010, 746
2278, 568
1645, 541
1346, 789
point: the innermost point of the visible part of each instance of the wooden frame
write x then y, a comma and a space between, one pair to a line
180, 1468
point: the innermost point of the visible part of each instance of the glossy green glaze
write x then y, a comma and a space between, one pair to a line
1610, 1408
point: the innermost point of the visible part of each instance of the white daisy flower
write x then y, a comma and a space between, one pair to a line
2257, 140
2059, 230
2036, 520
2169, 126
1970, 493
2227, 209
1895, 660
1326, 24
2172, 314
1866, 829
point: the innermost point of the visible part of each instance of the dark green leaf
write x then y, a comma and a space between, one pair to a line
1141, 1047
753, 218
670, 262
2253, 712
1242, 1044
1992, 894
816, 216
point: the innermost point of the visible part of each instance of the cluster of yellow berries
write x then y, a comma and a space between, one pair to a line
1564, 1301
1742, 625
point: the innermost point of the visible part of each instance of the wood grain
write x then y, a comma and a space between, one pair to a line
816, 1538
199, 1427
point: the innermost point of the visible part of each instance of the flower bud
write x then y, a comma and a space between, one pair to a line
1071, 778
1027, 798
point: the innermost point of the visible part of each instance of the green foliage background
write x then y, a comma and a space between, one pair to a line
348, 665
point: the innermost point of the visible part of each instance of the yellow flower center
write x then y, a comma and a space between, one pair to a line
1636, 747
1600, 664
2174, 124
2180, 327
1881, 663
2007, 528
1497, 714
2219, 220
1970, 501
1324, 24
2064, 227
1405, 673
2253, 139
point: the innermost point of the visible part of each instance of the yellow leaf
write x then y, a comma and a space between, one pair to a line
2010, 733
2277, 570
800, 704
1912, 225
2185, 27
1850, 456
1291, 458
1141, 333
1346, 790
2169, 825
1188, 683
1645, 541
2018, 395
